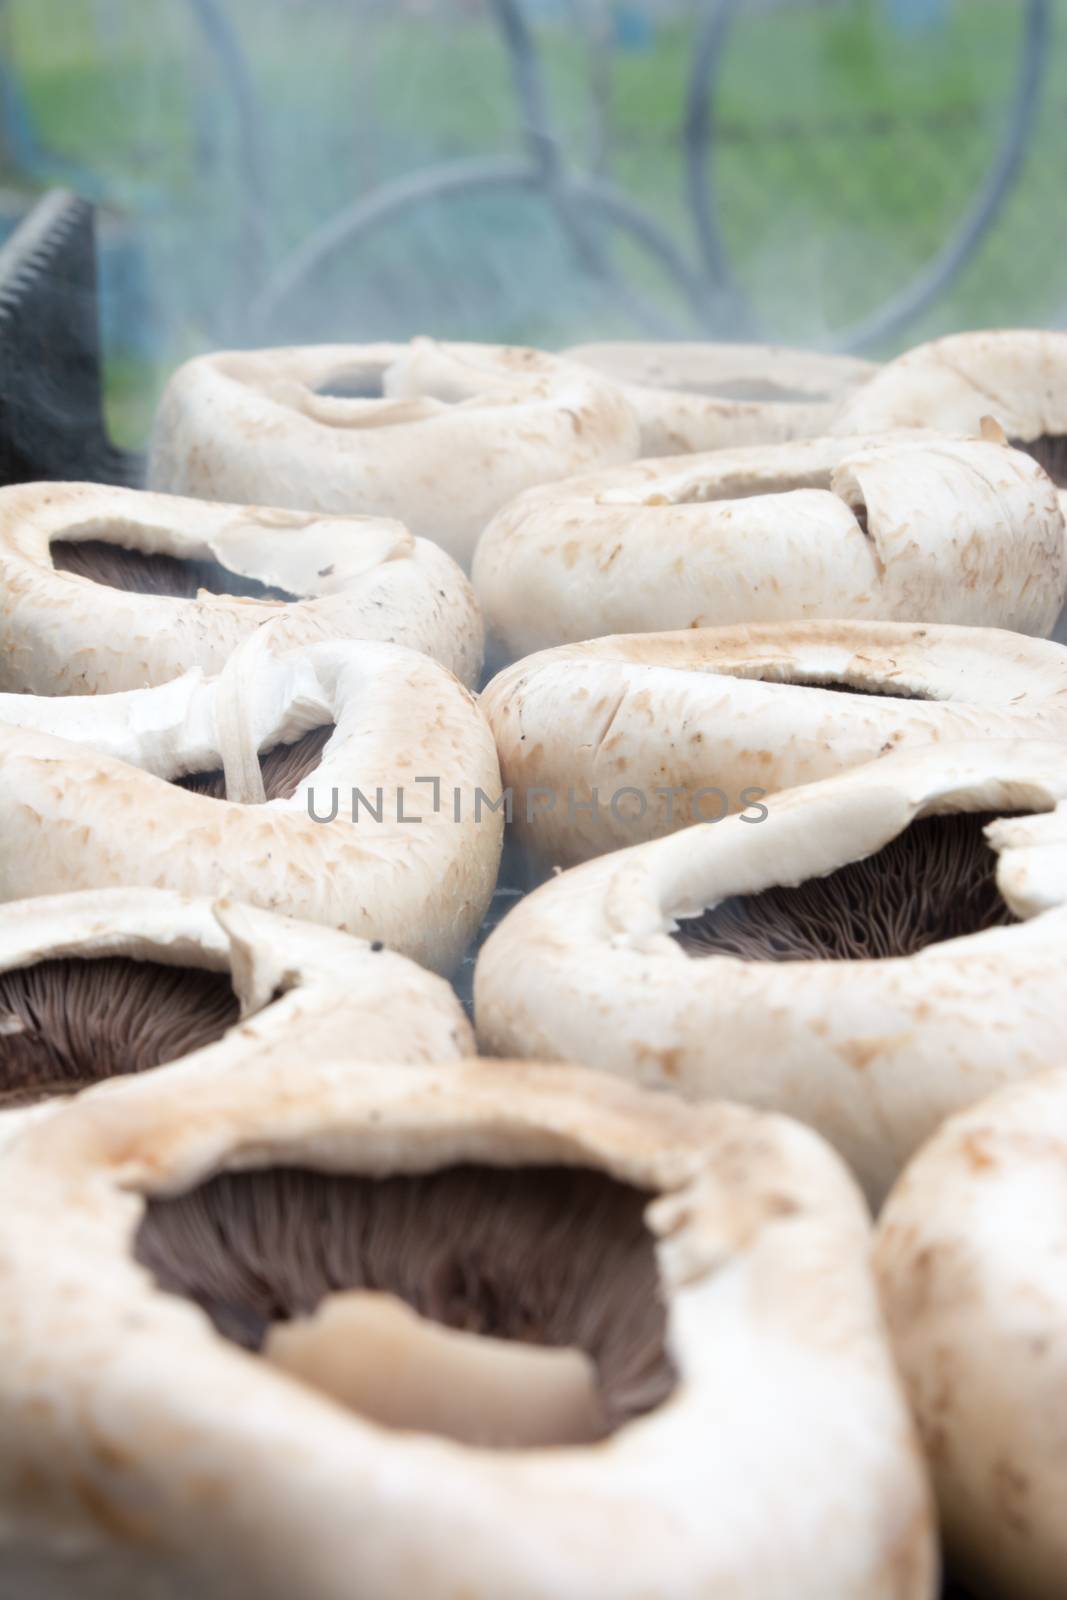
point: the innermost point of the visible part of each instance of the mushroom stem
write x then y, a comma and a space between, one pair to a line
233, 726
376, 1355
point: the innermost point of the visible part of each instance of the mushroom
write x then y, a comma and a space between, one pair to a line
970, 1261
1016, 376
114, 981
352, 784
472, 1329
618, 740
105, 589
853, 956
903, 529
439, 435
717, 396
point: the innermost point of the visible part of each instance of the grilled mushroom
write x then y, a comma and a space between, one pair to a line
116, 981
855, 958
899, 529
105, 589
439, 435
717, 396
970, 1260
615, 741
1017, 376
614, 1324
339, 784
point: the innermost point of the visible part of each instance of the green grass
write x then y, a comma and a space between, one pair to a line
846, 154
132, 389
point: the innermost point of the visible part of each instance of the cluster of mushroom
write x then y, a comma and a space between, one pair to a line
593, 1315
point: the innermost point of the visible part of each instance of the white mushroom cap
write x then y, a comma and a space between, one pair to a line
303, 992
1017, 376
718, 396
667, 729
899, 529
233, 1479
874, 1053
355, 578
451, 432
970, 1258
84, 804
1033, 866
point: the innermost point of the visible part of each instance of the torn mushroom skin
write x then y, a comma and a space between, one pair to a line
969, 1258
690, 397
437, 435
858, 958
1018, 376
105, 983
669, 729
900, 529
321, 783
514, 1307
105, 589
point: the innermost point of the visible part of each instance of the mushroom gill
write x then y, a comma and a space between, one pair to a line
935, 881
550, 1257
354, 383
284, 768
119, 567
790, 680
70, 1022
745, 391
697, 491
1049, 450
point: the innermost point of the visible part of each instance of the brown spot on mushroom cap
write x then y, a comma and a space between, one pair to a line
139, 573
936, 880
68, 1023
1049, 450
284, 768
557, 1257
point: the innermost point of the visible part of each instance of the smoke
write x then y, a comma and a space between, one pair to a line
283, 170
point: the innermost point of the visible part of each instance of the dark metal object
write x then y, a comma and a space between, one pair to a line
51, 402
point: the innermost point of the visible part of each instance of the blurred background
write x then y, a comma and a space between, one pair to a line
852, 174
